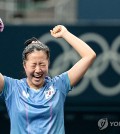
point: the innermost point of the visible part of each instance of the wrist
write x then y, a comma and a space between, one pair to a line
66, 34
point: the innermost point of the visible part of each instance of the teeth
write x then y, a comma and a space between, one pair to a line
38, 76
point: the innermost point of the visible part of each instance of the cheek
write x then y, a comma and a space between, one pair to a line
45, 69
28, 71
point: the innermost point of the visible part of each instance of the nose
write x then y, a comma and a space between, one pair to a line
38, 69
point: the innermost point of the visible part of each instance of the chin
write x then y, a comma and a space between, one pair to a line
37, 84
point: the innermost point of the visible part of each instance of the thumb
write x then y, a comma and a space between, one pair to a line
56, 35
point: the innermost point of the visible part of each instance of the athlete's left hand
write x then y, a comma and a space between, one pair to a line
58, 31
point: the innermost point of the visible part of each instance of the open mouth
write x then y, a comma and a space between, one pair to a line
37, 77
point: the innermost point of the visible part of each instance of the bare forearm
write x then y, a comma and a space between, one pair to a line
80, 46
1, 82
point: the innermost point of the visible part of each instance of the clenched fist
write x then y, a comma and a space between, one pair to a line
58, 31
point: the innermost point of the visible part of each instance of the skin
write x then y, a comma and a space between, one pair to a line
38, 58
1, 82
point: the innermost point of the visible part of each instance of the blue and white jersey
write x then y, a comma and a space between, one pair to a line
36, 111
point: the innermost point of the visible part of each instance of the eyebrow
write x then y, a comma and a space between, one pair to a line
39, 62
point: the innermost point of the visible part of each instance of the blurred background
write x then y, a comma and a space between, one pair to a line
93, 106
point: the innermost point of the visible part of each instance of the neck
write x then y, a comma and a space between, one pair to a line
36, 87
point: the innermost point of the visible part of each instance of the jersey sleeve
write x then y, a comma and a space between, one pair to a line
62, 82
8, 87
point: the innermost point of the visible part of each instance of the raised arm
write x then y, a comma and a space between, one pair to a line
87, 54
1, 82
1, 76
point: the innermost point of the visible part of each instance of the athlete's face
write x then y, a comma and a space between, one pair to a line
36, 68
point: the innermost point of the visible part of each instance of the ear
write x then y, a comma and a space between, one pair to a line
24, 65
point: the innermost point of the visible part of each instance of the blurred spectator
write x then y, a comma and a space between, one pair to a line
21, 4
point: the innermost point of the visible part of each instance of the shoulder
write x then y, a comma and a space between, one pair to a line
63, 76
9, 79
12, 81
60, 79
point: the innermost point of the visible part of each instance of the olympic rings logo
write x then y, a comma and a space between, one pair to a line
109, 55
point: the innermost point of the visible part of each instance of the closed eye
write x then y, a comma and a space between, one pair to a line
42, 65
33, 65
